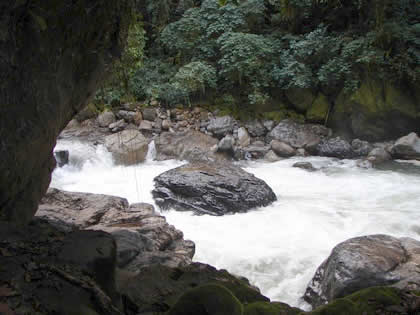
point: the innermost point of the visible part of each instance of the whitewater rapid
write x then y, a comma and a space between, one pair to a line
279, 247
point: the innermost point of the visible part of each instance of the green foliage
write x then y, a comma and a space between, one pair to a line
195, 77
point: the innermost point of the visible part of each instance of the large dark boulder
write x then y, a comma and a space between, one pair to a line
363, 262
407, 147
53, 56
211, 188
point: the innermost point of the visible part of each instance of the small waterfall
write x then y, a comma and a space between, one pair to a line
151, 152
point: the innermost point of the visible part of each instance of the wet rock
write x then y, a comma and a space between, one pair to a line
363, 262
157, 288
143, 237
105, 119
226, 144
282, 149
269, 124
334, 147
220, 126
271, 156
127, 147
243, 137
360, 147
305, 165
188, 145
118, 126
297, 135
149, 113
378, 155
255, 128
61, 157
211, 188
145, 125
256, 151
407, 147
166, 124
128, 116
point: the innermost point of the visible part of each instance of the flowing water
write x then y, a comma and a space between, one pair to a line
279, 247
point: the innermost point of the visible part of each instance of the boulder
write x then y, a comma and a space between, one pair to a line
363, 262
334, 147
128, 116
48, 71
211, 188
271, 156
149, 113
118, 125
243, 137
378, 155
282, 149
61, 157
226, 144
298, 135
360, 147
305, 165
157, 288
105, 119
143, 237
407, 147
166, 124
220, 126
255, 151
146, 125
255, 128
127, 147
187, 145
318, 111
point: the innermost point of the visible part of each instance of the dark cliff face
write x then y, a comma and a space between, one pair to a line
53, 54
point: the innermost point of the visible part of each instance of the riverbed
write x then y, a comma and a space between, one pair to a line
278, 247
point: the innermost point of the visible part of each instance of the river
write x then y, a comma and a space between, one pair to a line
279, 247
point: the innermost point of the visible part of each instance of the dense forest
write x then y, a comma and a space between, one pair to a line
303, 59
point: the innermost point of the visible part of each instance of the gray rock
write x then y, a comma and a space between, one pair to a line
361, 148
127, 147
143, 237
272, 157
297, 135
255, 128
282, 149
128, 116
407, 147
305, 165
166, 124
221, 126
118, 125
211, 188
334, 147
61, 157
105, 119
226, 144
243, 137
255, 151
188, 145
149, 113
146, 125
363, 262
269, 124
378, 155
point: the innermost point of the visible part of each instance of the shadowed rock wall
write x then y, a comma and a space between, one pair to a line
53, 54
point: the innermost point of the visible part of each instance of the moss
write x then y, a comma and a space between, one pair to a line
283, 114
301, 99
208, 299
319, 109
266, 308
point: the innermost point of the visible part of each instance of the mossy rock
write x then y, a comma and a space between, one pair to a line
280, 115
274, 308
208, 299
302, 99
370, 301
319, 110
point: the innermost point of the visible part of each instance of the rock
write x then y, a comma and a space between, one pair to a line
378, 155
302, 99
157, 288
61, 157
45, 83
211, 188
118, 126
255, 151
89, 112
243, 137
128, 116
188, 145
146, 125
334, 147
221, 126
272, 157
166, 124
407, 148
226, 144
363, 262
105, 119
255, 128
318, 111
282, 149
127, 147
143, 237
360, 147
138, 117
269, 124
305, 165
273, 308
297, 135
149, 113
